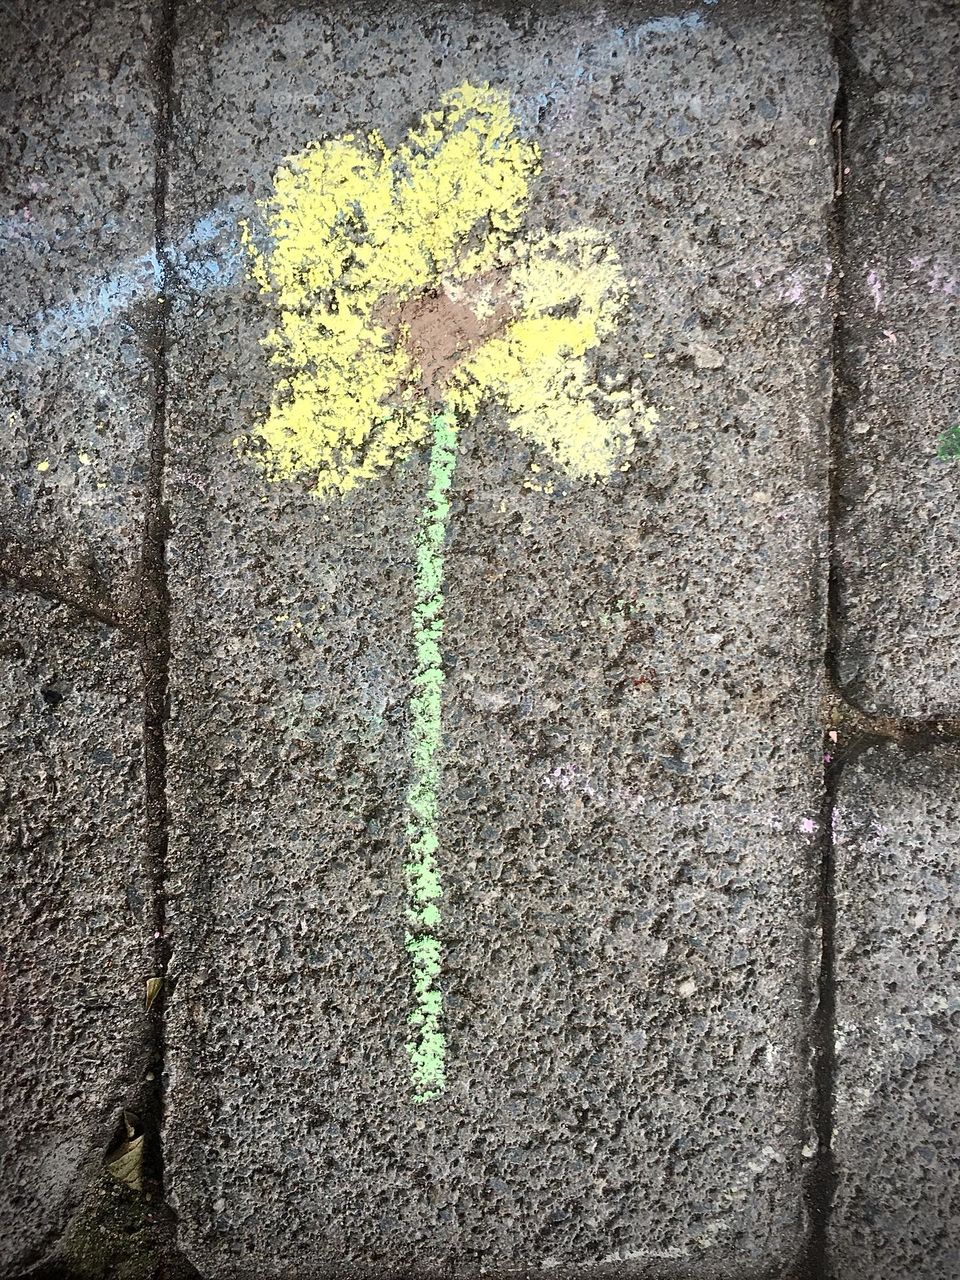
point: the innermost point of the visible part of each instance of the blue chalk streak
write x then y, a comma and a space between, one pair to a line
136, 280
670, 24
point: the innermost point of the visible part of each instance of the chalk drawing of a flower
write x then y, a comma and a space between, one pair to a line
406, 296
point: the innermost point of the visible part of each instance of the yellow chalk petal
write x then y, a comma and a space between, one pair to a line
467, 173
547, 390
331, 419
571, 290
331, 202
576, 273
330, 221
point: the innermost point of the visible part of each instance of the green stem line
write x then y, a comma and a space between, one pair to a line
427, 1046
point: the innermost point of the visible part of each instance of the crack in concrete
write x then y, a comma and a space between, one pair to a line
40, 575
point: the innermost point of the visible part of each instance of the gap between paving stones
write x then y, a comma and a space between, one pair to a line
821, 1180
848, 729
154, 597
142, 611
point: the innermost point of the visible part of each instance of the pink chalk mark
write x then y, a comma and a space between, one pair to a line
876, 288
942, 282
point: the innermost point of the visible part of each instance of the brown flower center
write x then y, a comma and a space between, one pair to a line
441, 331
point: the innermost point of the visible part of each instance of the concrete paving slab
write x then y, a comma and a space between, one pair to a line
77, 283
629, 771
76, 912
899, 527
898, 1011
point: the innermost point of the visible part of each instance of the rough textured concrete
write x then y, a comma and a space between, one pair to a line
632, 754
898, 1012
75, 911
899, 531
76, 398
76, 228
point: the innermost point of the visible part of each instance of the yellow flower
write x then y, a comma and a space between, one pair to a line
403, 289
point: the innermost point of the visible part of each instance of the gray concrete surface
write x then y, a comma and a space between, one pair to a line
633, 782
633, 761
897, 829
899, 529
76, 266
76, 912
76, 397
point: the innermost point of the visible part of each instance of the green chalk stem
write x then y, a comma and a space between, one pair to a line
427, 1046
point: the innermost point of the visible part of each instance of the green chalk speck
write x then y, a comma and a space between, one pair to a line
949, 445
